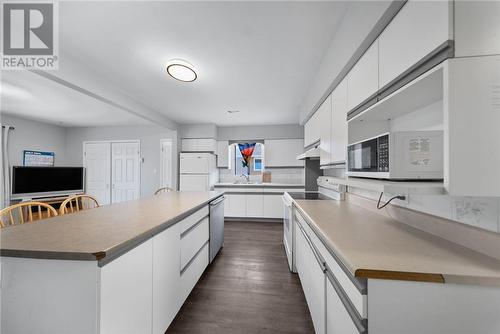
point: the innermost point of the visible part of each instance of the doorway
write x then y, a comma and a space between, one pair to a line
166, 159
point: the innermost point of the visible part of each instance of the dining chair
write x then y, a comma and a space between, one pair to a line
21, 213
163, 190
78, 203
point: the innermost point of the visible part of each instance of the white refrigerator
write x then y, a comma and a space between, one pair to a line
198, 171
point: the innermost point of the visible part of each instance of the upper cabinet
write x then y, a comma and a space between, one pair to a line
312, 130
199, 145
418, 29
325, 117
283, 152
338, 135
363, 78
477, 28
223, 154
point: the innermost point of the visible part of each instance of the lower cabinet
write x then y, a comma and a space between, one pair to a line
254, 205
273, 206
338, 320
142, 290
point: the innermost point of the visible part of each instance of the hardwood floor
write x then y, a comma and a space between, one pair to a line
248, 288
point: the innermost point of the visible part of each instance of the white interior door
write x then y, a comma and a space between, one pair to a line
166, 163
125, 167
96, 160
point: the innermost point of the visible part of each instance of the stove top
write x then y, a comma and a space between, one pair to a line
309, 195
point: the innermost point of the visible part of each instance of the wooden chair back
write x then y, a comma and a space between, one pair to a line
23, 213
163, 190
77, 203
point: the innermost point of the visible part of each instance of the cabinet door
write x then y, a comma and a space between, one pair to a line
325, 115
339, 123
254, 205
477, 28
222, 154
273, 206
283, 152
316, 293
166, 278
206, 145
312, 130
418, 29
189, 145
236, 205
338, 320
126, 292
363, 78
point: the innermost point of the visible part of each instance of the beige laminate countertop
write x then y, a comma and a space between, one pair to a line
102, 233
374, 246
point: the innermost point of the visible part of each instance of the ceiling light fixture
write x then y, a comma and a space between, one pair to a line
233, 111
181, 70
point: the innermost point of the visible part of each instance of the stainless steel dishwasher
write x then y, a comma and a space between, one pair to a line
216, 226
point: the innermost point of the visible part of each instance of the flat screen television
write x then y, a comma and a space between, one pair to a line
36, 182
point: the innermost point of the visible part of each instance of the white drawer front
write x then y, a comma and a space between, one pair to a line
358, 300
193, 272
338, 320
187, 222
193, 240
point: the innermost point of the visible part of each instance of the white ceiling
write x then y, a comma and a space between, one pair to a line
31, 96
257, 57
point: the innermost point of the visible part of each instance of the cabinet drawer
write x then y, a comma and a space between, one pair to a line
356, 293
338, 319
193, 240
189, 221
193, 271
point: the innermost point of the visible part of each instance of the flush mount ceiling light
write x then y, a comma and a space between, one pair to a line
233, 111
181, 70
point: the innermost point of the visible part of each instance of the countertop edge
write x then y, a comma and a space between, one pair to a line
370, 273
103, 257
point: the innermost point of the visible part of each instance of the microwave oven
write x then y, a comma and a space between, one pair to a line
409, 155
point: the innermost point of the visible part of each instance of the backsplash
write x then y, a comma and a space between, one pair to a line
278, 175
481, 212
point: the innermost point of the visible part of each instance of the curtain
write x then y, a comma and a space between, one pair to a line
5, 165
246, 152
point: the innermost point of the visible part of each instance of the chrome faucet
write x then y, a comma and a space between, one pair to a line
247, 177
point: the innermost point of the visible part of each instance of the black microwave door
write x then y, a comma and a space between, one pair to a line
362, 157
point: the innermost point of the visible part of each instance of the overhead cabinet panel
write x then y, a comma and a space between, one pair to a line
325, 114
339, 138
363, 81
283, 152
419, 28
223, 154
312, 130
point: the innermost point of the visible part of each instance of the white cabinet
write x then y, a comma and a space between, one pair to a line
198, 145
273, 206
166, 277
312, 130
283, 152
325, 116
338, 321
254, 205
126, 295
418, 29
363, 81
193, 240
235, 205
477, 28
472, 118
338, 146
193, 272
223, 154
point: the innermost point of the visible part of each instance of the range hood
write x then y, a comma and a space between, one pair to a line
312, 153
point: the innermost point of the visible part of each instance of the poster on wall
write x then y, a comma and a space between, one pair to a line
38, 158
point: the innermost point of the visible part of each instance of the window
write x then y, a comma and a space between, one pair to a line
256, 161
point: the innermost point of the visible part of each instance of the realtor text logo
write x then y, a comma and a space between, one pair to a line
29, 35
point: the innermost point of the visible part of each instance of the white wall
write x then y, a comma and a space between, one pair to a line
360, 18
149, 135
34, 135
198, 131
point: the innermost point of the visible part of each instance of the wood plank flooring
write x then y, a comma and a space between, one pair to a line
247, 289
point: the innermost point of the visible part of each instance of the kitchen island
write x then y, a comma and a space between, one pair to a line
122, 268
